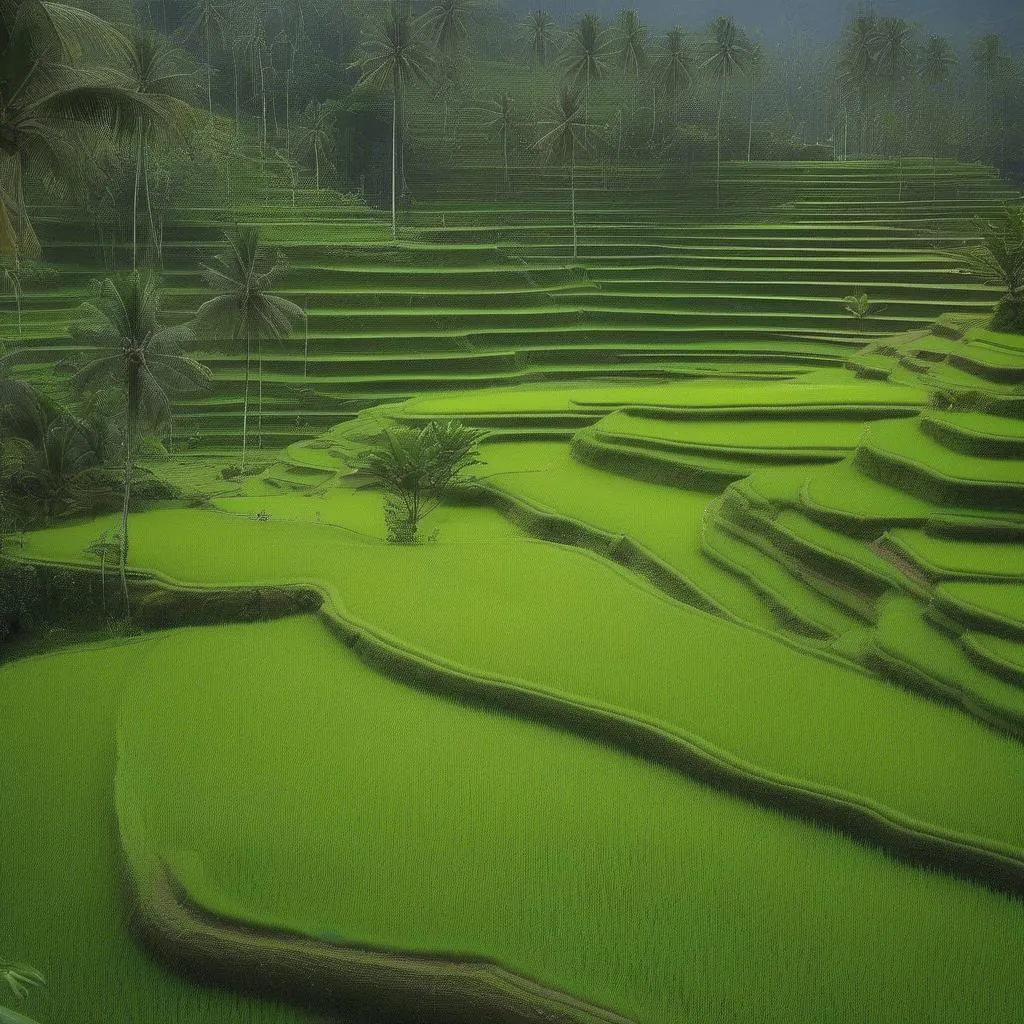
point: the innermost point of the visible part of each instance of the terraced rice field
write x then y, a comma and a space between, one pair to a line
482, 289
703, 703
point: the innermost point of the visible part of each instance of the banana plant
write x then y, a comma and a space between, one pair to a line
19, 978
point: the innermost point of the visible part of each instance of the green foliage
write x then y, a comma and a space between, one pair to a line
416, 467
860, 307
20, 977
999, 261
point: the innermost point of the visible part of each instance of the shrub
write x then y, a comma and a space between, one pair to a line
416, 468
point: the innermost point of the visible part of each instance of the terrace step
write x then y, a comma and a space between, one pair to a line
900, 454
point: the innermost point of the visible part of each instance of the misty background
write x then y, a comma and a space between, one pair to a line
779, 20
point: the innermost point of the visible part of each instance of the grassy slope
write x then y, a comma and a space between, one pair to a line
62, 908
591, 631
304, 790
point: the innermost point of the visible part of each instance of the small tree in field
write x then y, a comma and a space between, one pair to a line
415, 468
861, 308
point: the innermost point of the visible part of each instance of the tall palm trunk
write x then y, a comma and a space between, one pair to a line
135, 199
209, 69
153, 237
128, 456
750, 123
394, 166
259, 386
718, 140
245, 399
572, 194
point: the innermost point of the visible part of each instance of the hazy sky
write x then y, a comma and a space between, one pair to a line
962, 20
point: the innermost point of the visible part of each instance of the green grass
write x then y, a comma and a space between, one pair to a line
63, 906
334, 802
591, 632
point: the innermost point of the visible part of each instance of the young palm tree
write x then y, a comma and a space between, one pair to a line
566, 137
141, 356
936, 62
987, 54
395, 60
586, 57
159, 78
242, 277
48, 94
315, 136
541, 36
728, 53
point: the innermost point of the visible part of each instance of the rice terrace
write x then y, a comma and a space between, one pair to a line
511, 514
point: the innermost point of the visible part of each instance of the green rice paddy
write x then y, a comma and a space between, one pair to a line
703, 701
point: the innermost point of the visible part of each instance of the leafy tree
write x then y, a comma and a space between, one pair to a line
50, 89
999, 261
586, 57
138, 354
541, 36
728, 54
315, 136
242, 277
416, 468
395, 60
566, 137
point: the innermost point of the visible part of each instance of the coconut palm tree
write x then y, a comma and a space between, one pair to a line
315, 136
858, 69
395, 60
675, 69
49, 93
936, 62
755, 67
158, 76
631, 48
586, 57
567, 135
208, 19
727, 54
447, 25
503, 123
106, 545
137, 353
242, 277
541, 36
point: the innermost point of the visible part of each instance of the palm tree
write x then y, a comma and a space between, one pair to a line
999, 261
728, 53
242, 278
315, 136
937, 61
675, 67
447, 24
541, 36
164, 87
894, 60
755, 66
395, 60
567, 135
48, 95
858, 65
503, 125
987, 54
207, 18
136, 353
586, 56
632, 47
106, 545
